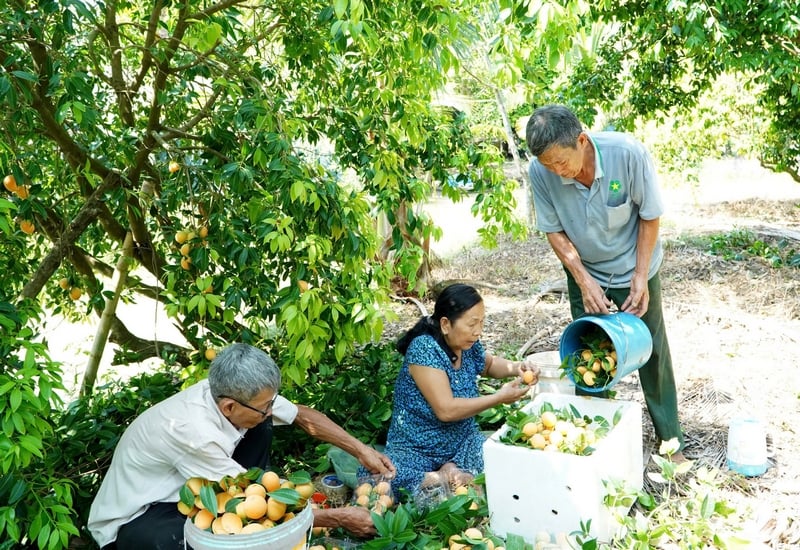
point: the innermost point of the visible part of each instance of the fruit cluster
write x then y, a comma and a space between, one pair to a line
471, 537
562, 430
185, 239
375, 495
248, 503
595, 364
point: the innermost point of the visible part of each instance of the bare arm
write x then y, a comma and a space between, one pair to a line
355, 519
318, 425
594, 299
435, 388
638, 300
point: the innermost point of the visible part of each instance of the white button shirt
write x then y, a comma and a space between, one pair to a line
184, 436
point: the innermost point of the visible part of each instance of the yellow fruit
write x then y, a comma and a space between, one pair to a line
364, 489
255, 506
75, 293
222, 500
275, 509
181, 237
231, 523
362, 500
27, 227
267, 523
461, 490
184, 509
556, 438
383, 487
386, 501
271, 481
195, 484
203, 232
596, 366
252, 528
22, 192
203, 519
10, 183
538, 441
529, 429
588, 378
216, 527
255, 489
303, 285
287, 485
210, 354
527, 377
186, 248
586, 355
174, 167
305, 490
473, 533
64, 283
549, 419
186, 263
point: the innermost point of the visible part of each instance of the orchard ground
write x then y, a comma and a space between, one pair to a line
733, 325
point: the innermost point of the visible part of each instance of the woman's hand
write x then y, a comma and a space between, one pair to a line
528, 373
511, 392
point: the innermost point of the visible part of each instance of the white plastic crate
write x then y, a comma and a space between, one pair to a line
530, 491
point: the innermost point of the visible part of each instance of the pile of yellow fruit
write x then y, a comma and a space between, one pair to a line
562, 430
595, 364
248, 503
374, 495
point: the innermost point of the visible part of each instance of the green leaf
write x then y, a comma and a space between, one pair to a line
285, 495
209, 498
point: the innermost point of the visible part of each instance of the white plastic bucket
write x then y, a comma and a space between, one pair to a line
549, 365
747, 446
291, 535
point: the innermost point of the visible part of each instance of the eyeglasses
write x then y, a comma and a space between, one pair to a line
264, 413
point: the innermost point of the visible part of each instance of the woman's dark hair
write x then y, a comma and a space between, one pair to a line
451, 303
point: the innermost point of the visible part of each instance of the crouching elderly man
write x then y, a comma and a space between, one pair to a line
219, 427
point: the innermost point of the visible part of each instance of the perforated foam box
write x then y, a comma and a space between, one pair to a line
530, 491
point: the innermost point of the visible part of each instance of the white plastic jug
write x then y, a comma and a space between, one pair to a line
747, 446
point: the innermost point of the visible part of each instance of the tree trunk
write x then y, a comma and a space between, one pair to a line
109, 312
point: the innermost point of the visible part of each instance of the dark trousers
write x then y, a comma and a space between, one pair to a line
656, 376
161, 526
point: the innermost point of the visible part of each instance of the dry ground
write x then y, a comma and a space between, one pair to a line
734, 327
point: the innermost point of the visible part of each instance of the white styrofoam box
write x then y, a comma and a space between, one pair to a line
530, 491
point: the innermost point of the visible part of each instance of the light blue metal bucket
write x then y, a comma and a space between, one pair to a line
629, 335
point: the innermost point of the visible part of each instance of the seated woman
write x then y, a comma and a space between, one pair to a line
434, 437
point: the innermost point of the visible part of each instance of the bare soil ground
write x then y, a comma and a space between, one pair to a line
734, 328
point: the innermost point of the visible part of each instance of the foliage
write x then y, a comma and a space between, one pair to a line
686, 514
37, 503
356, 394
741, 244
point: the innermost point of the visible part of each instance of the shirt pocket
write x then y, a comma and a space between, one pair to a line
618, 216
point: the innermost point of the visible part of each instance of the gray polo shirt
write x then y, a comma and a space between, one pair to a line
602, 221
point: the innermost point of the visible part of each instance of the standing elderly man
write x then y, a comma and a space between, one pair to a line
596, 197
217, 427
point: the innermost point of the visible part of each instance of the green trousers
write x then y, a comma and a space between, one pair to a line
656, 376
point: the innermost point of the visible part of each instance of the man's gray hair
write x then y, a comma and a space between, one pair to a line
552, 125
241, 371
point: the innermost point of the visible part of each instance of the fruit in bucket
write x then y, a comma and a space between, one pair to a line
250, 502
594, 365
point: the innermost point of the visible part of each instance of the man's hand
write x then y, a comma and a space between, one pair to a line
594, 298
638, 300
354, 519
376, 462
